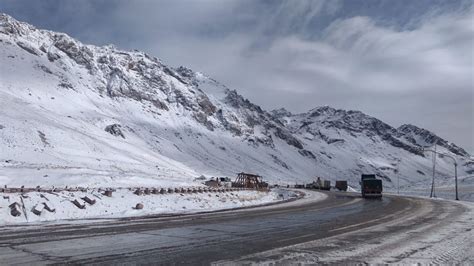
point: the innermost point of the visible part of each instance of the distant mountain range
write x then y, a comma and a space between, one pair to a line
75, 114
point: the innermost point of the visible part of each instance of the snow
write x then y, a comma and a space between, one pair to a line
123, 203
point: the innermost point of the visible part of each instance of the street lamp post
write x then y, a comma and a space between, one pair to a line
398, 184
456, 177
455, 169
433, 193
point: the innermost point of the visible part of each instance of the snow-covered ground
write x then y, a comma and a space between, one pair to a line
444, 189
123, 203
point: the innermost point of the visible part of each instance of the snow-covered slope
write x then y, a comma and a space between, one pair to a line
348, 143
75, 114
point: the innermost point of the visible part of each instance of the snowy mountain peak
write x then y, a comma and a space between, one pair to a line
355, 121
281, 113
325, 109
9, 25
423, 137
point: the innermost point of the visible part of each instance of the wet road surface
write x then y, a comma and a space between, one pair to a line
201, 238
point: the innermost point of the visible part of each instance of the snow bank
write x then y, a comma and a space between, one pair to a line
123, 203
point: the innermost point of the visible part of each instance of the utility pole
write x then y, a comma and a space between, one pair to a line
434, 164
433, 194
456, 177
398, 184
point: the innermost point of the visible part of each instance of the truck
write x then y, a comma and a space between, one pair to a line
320, 184
326, 185
219, 182
341, 185
224, 181
371, 187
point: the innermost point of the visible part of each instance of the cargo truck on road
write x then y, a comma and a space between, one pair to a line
341, 185
371, 187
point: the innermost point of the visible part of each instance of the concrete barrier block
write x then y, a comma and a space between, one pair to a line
78, 204
89, 200
48, 208
37, 209
15, 209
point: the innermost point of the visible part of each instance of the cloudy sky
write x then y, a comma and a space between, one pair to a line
401, 61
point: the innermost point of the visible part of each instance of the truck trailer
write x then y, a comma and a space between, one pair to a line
341, 185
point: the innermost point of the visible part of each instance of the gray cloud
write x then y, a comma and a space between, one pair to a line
401, 61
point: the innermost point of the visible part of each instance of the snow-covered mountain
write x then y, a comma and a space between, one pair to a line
351, 142
76, 114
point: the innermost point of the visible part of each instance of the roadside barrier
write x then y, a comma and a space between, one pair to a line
37, 209
89, 200
78, 204
14, 209
48, 208
137, 190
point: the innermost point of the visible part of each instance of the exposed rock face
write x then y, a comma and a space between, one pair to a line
288, 137
28, 48
115, 130
282, 112
206, 106
79, 53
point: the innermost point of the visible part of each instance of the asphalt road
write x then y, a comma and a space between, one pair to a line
223, 237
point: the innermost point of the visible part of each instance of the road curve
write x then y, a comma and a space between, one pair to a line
331, 230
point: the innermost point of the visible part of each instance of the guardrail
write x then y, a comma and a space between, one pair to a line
137, 190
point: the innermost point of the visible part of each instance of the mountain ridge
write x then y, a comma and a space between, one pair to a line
172, 124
